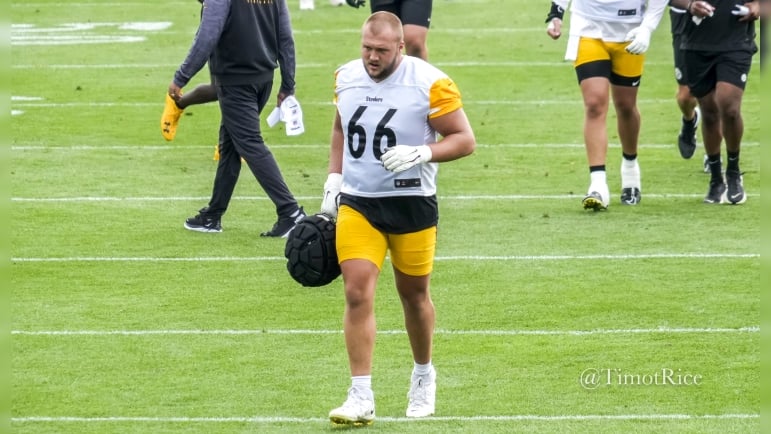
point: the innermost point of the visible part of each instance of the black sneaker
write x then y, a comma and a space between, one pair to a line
686, 141
284, 226
734, 187
203, 222
630, 196
716, 191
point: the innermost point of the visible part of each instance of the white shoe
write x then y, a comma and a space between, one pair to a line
337, 2
597, 197
357, 410
422, 396
307, 5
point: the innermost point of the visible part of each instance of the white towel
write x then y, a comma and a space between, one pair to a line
290, 113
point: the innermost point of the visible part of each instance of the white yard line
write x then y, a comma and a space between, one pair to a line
634, 331
528, 258
304, 420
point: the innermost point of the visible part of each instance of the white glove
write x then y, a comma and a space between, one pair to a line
402, 157
331, 200
641, 40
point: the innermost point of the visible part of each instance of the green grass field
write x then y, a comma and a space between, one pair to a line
124, 322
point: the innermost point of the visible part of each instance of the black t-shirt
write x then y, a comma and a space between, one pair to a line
721, 32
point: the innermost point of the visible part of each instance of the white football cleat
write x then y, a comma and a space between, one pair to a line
422, 396
337, 2
307, 5
357, 410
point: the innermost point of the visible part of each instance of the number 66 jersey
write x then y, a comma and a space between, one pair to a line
378, 115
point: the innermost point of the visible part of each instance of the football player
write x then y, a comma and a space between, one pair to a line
385, 146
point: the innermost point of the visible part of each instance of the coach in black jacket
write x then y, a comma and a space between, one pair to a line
244, 41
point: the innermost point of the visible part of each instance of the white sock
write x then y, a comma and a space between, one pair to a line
362, 382
421, 370
629, 164
598, 177
630, 174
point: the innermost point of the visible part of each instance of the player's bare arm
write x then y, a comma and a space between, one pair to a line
336, 146
457, 136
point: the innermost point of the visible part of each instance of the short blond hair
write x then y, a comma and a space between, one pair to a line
382, 21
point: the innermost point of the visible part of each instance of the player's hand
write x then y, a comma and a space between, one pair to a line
749, 11
175, 92
356, 3
554, 29
402, 157
641, 40
331, 200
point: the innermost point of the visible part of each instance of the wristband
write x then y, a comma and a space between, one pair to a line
556, 11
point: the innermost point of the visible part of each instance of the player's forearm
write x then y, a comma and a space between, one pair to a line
336, 147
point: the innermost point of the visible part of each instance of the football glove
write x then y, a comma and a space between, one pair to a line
355, 3
641, 40
402, 157
331, 200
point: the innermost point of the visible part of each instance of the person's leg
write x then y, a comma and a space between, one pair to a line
415, 38
412, 256
360, 277
627, 117
595, 93
416, 17
625, 83
732, 70
172, 110
628, 124
226, 178
361, 250
713, 137
687, 103
419, 315
242, 106
593, 69
729, 100
201, 94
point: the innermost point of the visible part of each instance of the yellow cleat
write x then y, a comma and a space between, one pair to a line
170, 118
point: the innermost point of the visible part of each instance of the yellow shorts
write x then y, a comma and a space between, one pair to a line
412, 253
622, 63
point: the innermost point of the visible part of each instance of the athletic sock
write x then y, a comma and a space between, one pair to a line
362, 383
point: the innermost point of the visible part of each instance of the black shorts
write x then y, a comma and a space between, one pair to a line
416, 12
679, 55
706, 68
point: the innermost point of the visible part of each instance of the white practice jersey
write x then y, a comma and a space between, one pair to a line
611, 20
378, 115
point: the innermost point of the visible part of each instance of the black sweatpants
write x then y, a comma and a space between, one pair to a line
240, 137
